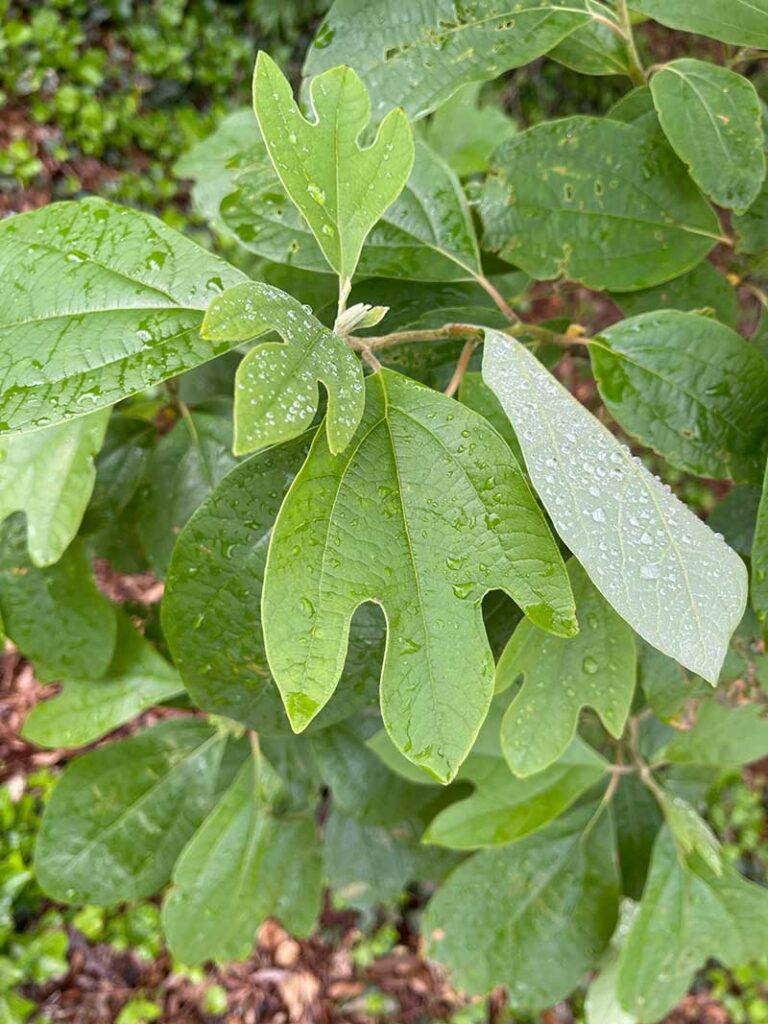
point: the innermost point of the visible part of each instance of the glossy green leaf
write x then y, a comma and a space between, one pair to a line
673, 580
703, 287
418, 56
741, 22
276, 393
688, 387
687, 915
361, 783
426, 234
49, 475
713, 119
137, 679
211, 608
100, 302
595, 48
55, 616
424, 513
503, 808
721, 735
533, 916
181, 472
340, 188
601, 1005
478, 396
465, 133
597, 201
120, 466
752, 226
561, 677
245, 863
120, 815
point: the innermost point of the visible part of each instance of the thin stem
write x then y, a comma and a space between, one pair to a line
403, 337
636, 70
345, 286
461, 368
498, 298
371, 359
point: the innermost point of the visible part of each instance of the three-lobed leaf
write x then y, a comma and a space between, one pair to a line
660, 567
276, 395
594, 669
712, 116
424, 513
340, 188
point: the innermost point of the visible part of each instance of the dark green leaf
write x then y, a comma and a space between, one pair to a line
700, 288
120, 815
741, 22
597, 201
688, 387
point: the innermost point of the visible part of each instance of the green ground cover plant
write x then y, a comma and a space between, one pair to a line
436, 621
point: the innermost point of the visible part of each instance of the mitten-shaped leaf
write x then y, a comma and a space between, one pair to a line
211, 607
425, 512
664, 571
713, 118
340, 188
98, 302
688, 915
49, 475
244, 864
597, 201
276, 392
595, 669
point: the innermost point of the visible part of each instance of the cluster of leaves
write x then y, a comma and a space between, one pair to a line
389, 661
122, 75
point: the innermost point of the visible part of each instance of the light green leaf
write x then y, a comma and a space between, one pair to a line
561, 677
276, 392
691, 832
426, 234
595, 48
99, 302
49, 475
340, 188
56, 616
465, 133
418, 56
214, 162
674, 581
120, 815
137, 679
503, 808
759, 589
688, 915
181, 472
211, 607
713, 119
703, 287
688, 387
601, 1005
424, 513
721, 736
533, 916
597, 201
741, 22
478, 396
245, 863
752, 226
